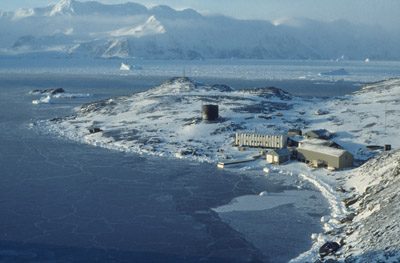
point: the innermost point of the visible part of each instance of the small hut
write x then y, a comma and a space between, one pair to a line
279, 156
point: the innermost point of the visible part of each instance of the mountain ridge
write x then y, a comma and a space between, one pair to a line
161, 32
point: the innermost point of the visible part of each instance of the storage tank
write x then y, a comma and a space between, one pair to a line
210, 112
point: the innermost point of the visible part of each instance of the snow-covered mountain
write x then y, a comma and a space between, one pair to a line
151, 27
89, 28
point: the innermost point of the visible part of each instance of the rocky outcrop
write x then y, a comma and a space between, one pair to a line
371, 229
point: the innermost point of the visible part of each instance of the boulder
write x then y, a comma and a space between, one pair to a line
94, 130
329, 248
351, 200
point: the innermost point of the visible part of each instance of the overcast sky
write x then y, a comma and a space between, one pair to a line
381, 12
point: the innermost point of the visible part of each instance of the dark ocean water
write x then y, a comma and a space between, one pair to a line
66, 202
120, 84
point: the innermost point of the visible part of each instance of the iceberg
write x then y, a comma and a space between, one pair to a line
129, 67
44, 100
125, 67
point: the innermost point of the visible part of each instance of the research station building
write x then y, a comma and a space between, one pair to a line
259, 140
328, 156
278, 156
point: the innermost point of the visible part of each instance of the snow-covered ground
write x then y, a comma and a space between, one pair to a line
166, 121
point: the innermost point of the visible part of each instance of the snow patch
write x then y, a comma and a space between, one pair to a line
23, 13
64, 7
151, 27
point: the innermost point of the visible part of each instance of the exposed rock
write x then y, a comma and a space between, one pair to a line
341, 189
335, 232
269, 92
372, 236
221, 87
321, 112
348, 218
176, 85
94, 130
329, 248
351, 200
48, 91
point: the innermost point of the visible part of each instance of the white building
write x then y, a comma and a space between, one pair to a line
258, 140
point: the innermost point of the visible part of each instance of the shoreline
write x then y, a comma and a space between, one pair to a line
336, 207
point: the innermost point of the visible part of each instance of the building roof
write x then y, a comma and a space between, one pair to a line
316, 141
283, 151
321, 133
323, 149
294, 132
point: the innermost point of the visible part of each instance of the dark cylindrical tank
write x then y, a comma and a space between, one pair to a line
210, 112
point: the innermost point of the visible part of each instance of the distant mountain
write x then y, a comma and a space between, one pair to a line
93, 29
151, 27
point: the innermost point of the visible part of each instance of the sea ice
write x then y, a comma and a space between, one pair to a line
44, 100
73, 95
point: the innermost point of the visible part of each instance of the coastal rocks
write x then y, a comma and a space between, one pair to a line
335, 232
329, 248
48, 91
372, 230
350, 200
348, 218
